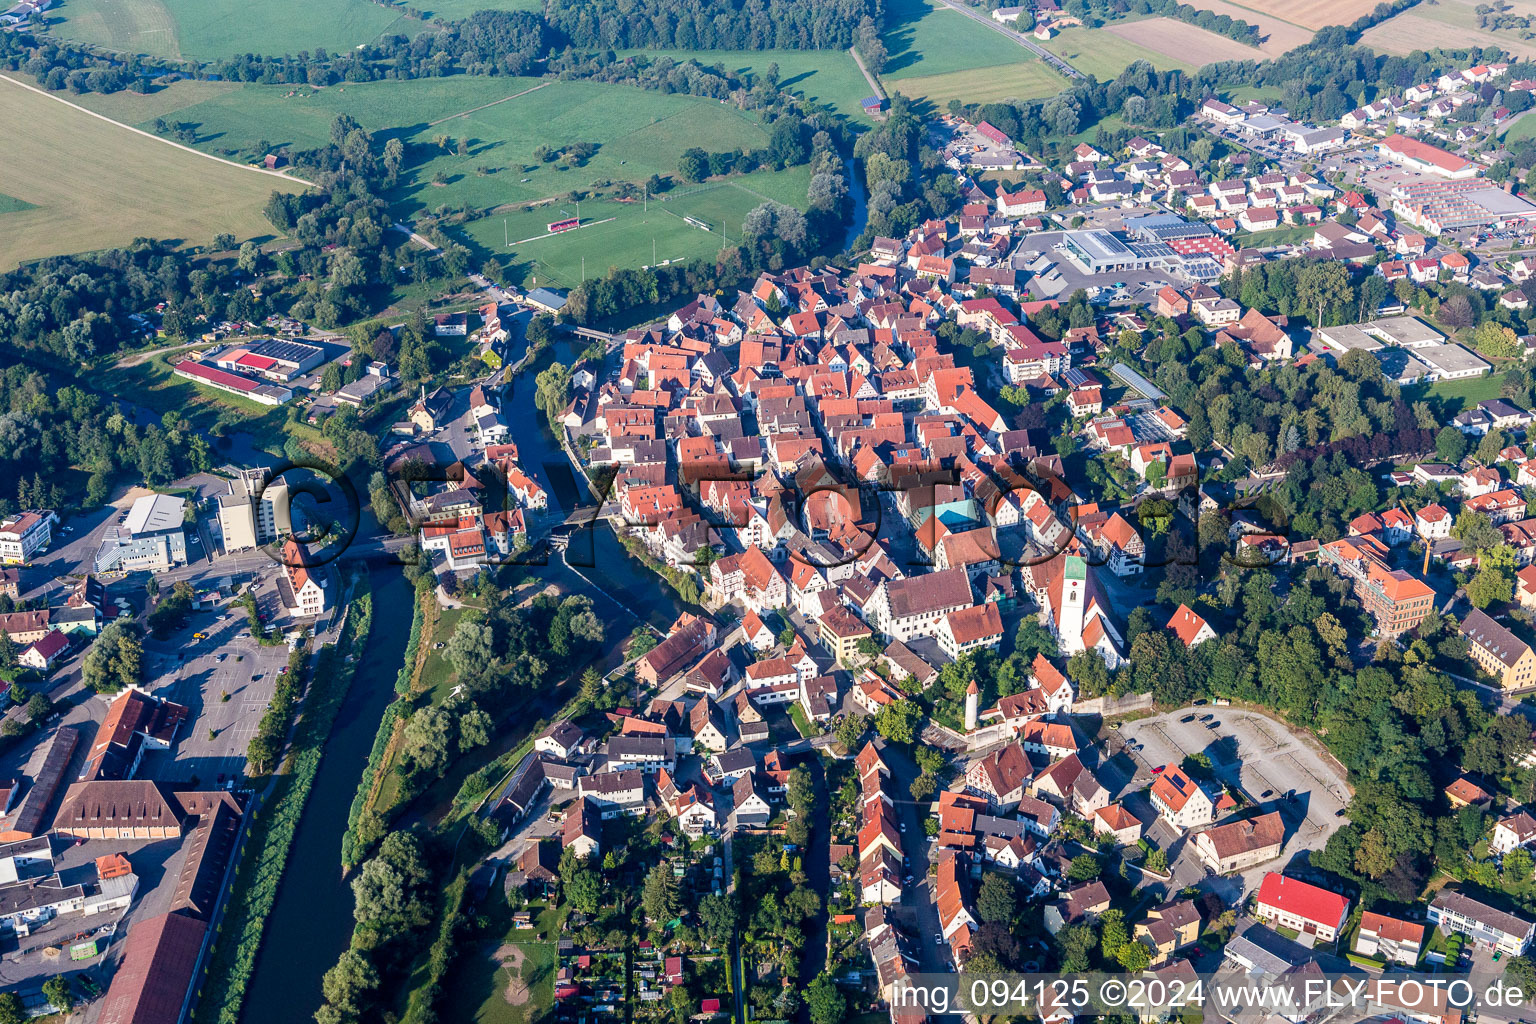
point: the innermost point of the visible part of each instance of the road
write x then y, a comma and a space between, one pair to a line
1055, 62
917, 896
874, 83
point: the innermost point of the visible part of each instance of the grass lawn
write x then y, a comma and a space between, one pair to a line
152, 384
820, 76
212, 29
621, 234
1288, 234
504, 976
94, 184
926, 39
1523, 128
437, 674
1451, 396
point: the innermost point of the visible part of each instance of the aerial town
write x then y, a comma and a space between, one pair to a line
1077, 520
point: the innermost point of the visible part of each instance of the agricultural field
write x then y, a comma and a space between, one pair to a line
925, 39
93, 184
235, 120
1165, 43
214, 29
1177, 44
1024, 81
1451, 24
1275, 19
501, 122
1308, 14
628, 234
823, 77
637, 133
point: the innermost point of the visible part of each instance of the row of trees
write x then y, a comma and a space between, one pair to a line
700, 25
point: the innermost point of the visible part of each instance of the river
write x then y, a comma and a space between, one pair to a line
860, 205
311, 922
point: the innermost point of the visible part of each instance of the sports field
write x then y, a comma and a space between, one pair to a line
619, 234
1279, 29
1451, 24
93, 184
820, 76
212, 29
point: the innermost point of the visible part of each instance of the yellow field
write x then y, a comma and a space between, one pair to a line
1281, 30
1312, 14
1026, 80
1177, 44
1447, 23
94, 184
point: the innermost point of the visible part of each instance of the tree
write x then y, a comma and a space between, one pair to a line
1451, 445
391, 888
693, 165
996, 899
898, 721
826, 1003
850, 729
470, 652
1495, 579
428, 740
1133, 956
350, 984
57, 991
1084, 866
11, 1009
717, 919
38, 707
7, 650
585, 891
475, 729
659, 896
115, 660
1112, 932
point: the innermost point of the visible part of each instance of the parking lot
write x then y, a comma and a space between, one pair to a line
227, 662
1251, 752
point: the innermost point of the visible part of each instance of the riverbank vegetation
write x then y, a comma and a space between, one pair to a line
361, 834
273, 822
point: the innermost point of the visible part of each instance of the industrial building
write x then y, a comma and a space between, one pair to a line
150, 537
